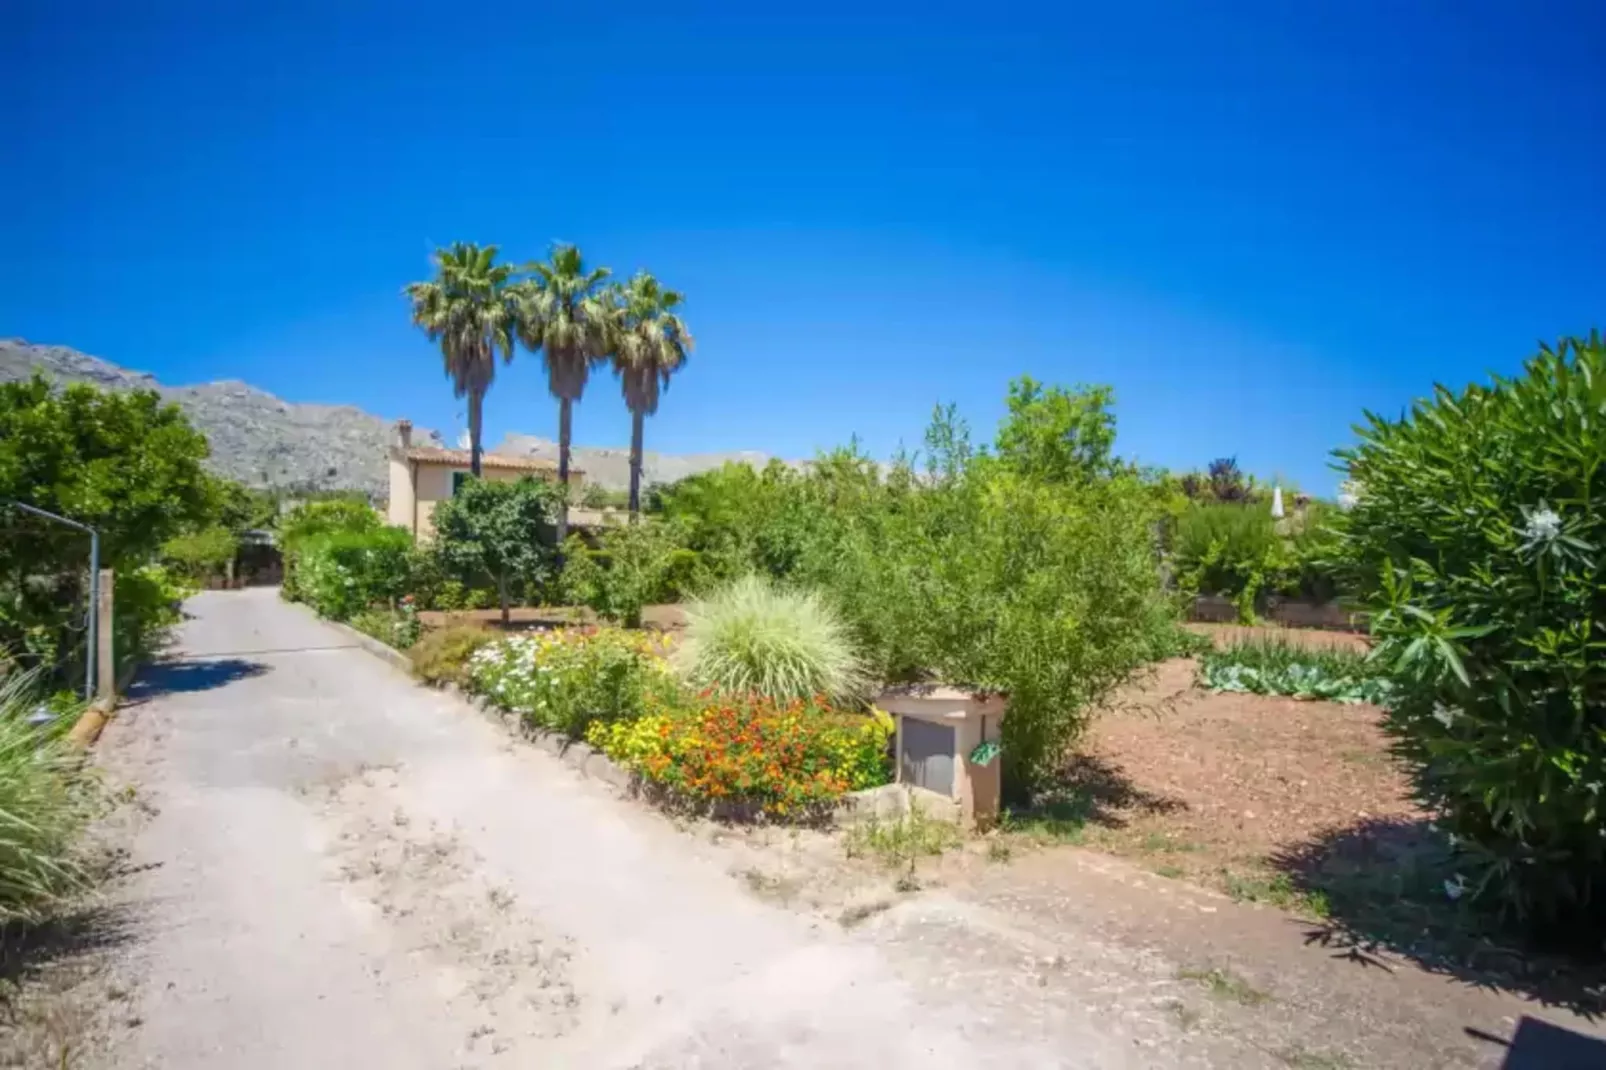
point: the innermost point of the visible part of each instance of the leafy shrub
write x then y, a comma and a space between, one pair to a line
344, 572
44, 805
145, 610
635, 565
784, 760
396, 628
1276, 667
310, 522
1240, 551
1476, 543
501, 534
441, 655
752, 637
562, 680
198, 555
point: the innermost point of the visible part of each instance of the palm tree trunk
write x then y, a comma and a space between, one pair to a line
476, 402
565, 420
637, 422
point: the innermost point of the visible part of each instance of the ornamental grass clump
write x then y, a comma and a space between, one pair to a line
45, 803
753, 637
1476, 542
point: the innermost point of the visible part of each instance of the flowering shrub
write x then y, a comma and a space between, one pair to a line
784, 760
1478, 542
564, 679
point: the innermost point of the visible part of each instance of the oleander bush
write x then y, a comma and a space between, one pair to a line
1478, 544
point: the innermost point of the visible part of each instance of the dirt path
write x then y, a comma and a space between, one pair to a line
337, 868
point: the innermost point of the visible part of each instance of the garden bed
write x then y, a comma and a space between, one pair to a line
1225, 789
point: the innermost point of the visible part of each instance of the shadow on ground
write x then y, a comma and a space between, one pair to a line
26, 949
176, 677
1090, 790
1382, 886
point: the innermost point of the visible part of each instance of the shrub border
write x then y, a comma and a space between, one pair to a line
577, 754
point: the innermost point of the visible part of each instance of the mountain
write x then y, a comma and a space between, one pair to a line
609, 467
262, 441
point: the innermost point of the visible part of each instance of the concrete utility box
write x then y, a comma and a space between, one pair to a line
939, 731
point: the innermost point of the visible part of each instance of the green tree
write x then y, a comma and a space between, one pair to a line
564, 314
124, 463
650, 344
1057, 435
501, 531
468, 308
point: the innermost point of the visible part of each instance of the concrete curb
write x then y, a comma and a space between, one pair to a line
380, 650
86, 731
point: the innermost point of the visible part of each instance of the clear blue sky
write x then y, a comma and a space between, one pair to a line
1253, 219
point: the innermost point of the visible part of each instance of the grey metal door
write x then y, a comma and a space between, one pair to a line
927, 760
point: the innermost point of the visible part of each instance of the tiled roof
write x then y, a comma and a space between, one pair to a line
460, 459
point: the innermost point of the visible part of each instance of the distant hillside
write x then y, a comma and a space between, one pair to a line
610, 467
263, 441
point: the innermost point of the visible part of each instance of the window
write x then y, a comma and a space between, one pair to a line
458, 479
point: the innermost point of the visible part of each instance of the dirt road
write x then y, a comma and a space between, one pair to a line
341, 869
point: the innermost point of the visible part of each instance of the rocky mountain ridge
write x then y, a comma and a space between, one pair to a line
262, 440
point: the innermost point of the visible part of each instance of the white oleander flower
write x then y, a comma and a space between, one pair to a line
1541, 526
1445, 715
1456, 888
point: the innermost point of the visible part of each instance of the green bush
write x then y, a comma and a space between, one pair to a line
44, 805
145, 609
1278, 667
635, 565
563, 680
752, 637
501, 534
1476, 544
343, 572
441, 655
397, 628
1239, 551
311, 521
200, 555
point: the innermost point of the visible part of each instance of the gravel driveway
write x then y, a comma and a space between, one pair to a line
338, 868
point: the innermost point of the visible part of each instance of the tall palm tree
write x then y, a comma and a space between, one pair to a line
469, 309
564, 315
650, 344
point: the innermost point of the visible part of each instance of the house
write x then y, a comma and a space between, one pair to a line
421, 476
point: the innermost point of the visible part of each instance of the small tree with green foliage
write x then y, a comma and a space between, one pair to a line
200, 555
503, 532
124, 463
1479, 544
635, 565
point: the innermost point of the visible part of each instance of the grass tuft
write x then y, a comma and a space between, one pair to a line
752, 637
45, 802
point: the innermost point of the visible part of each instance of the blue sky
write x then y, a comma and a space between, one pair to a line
1253, 219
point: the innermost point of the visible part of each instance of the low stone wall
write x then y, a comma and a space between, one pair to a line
1288, 612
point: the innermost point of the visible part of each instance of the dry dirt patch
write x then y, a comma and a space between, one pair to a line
1214, 786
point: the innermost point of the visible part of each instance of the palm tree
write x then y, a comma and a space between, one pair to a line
564, 315
468, 308
650, 344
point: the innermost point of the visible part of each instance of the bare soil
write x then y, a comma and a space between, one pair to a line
1217, 787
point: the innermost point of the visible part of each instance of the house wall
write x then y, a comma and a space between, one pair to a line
435, 485
402, 499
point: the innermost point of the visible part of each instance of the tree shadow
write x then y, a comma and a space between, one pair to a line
179, 677
1383, 881
1091, 790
